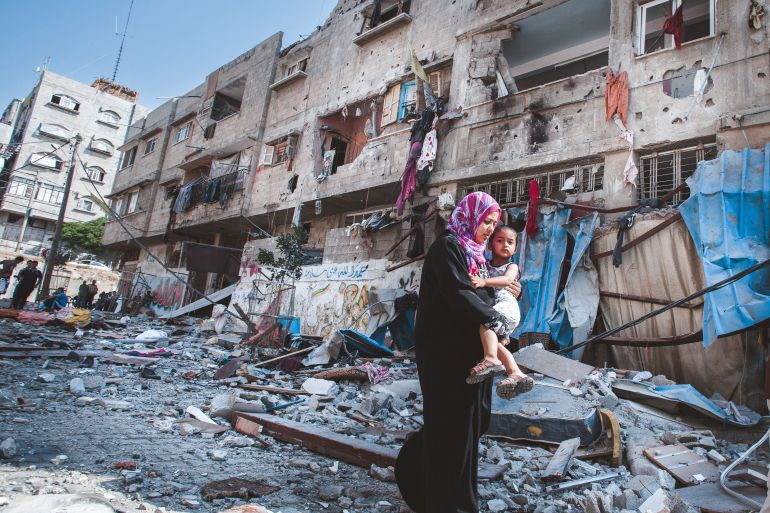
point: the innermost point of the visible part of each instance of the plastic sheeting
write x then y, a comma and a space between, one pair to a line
576, 307
541, 269
666, 267
728, 215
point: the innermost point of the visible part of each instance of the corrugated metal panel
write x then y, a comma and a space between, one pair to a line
728, 216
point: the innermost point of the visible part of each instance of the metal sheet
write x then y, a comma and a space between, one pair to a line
728, 216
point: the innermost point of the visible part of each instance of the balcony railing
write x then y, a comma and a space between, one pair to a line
219, 188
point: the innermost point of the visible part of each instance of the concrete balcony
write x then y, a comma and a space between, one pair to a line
116, 235
382, 29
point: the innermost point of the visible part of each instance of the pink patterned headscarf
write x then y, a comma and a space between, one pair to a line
466, 218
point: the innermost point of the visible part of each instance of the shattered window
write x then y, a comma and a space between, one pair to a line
697, 15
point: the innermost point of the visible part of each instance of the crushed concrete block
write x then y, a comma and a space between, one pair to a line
94, 382
656, 503
383, 474
714, 455
643, 485
46, 377
113, 404
59, 459
330, 492
497, 505
8, 448
77, 387
186, 429
314, 386
402, 388
627, 500
218, 454
222, 405
84, 400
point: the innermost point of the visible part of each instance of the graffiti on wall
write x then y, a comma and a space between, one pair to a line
333, 296
167, 293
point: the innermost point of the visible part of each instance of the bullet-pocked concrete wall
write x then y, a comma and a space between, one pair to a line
553, 126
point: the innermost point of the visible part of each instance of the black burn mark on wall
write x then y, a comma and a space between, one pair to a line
496, 139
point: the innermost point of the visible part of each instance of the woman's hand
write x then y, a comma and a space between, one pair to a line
478, 282
515, 289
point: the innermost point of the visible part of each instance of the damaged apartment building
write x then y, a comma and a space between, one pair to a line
590, 99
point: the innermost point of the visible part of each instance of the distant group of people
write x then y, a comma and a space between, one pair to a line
86, 294
29, 278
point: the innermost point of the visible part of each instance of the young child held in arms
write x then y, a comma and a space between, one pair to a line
497, 359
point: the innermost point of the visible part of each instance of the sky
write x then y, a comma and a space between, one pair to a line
170, 47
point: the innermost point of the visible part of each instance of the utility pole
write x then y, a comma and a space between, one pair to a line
52, 253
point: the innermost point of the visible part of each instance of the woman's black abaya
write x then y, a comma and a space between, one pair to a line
437, 467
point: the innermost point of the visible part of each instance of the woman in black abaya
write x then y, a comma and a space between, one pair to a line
437, 468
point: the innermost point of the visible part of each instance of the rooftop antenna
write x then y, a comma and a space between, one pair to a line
44, 67
122, 41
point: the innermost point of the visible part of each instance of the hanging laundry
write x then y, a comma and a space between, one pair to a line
427, 157
211, 194
534, 198
627, 221
616, 96
409, 178
344, 112
674, 25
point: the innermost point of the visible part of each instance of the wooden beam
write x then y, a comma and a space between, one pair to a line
559, 465
277, 390
324, 441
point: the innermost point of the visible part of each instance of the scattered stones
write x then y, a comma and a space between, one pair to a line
60, 459
46, 377
218, 454
383, 474
497, 505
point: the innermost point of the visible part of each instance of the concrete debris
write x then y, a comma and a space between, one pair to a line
193, 440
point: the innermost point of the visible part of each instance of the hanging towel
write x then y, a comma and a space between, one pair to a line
534, 197
674, 25
616, 96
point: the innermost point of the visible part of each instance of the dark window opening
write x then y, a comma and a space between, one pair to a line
340, 149
227, 101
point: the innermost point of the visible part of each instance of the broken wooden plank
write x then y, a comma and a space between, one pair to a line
124, 359
277, 390
250, 428
551, 364
293, 353
683, 463
611, 428
559, 465
52, 353
749, 475
235, 487
710, 497
323, 441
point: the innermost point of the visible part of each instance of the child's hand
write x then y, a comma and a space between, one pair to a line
478, 282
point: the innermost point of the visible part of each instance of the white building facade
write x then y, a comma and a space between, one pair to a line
32, 181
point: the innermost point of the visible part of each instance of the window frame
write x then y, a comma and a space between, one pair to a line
79, 204
185, 129
132, 202
91, 169
59, 97
38, 159
51, 192
640, 39
17, 182
150, 145
128, 158
110, 122
108, 149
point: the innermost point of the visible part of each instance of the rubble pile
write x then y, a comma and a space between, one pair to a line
161, 416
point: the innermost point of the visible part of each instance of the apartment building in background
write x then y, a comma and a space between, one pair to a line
317, 132
44, 125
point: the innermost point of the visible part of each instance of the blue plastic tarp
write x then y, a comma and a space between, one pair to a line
689, 395
541, 269
728, 216
575, 312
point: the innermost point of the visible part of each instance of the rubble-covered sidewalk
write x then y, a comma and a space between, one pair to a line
137, 414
